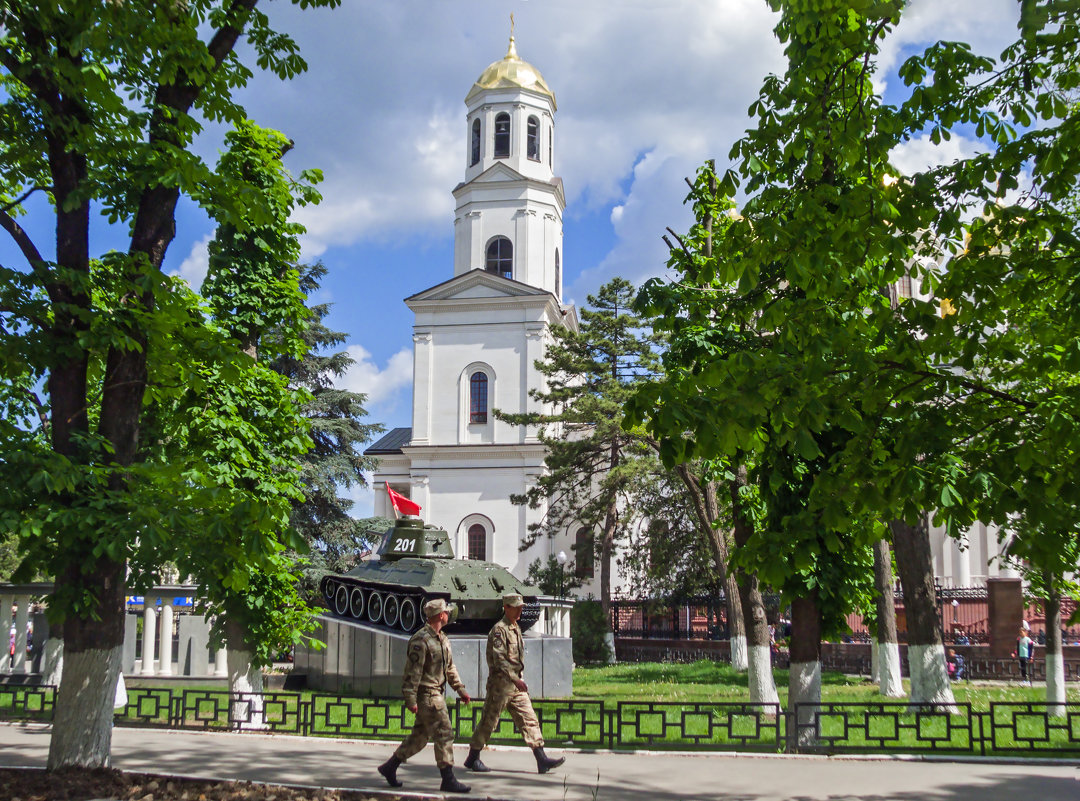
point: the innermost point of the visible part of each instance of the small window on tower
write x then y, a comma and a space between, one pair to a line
558, 274
478, 398
500, 257
551, 146
533, 131
477, 542
475, 155
502, 135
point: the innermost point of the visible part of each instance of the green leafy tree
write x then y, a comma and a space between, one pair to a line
593, 464
101, 103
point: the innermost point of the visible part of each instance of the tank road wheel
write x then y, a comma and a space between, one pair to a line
341, 600
374, 606
328, 589
391, 607
356, 603
408, 615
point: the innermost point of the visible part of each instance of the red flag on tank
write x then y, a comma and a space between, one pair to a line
401, 503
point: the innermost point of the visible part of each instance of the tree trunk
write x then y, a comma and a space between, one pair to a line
926, 651
246, 708
607, 550
732, 596
759, 650
83, 717
1055, 663
885, 646
804, 682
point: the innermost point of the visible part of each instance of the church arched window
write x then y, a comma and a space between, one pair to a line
551, 146
558, 274
475, 154
583, 550
502, 135
477, 542
478, 398
500, 257
533, 139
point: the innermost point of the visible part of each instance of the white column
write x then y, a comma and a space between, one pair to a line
22, 616
149, 635
422, 398
5, 628
165, 649
963, 559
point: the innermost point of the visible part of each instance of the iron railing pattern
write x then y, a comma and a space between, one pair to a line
1013, 728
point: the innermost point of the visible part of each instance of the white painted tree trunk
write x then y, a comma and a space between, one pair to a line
739, 659
1055, 684
609, 641
83, 720
890, 683
246, 687
52, 662
875, 664
930, 676
762, 686
804, 687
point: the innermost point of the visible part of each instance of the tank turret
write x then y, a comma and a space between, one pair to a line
416, 564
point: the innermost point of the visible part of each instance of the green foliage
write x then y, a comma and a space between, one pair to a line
553, 578
791, 332
588, 629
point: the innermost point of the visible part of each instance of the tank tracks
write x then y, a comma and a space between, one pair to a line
398, 609
391, 608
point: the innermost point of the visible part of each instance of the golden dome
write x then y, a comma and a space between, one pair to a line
511, 73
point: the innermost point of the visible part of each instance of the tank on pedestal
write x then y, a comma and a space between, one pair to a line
416, 564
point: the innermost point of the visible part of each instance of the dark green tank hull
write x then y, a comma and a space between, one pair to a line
391, 592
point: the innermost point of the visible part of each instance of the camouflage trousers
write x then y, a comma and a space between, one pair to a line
432, 723
501, 694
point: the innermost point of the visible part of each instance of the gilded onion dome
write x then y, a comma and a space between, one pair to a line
511, 73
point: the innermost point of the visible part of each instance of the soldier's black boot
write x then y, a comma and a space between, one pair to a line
544, 763
473, 763
450, 784
389, 771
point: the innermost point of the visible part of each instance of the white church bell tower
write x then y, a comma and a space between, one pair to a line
477, 335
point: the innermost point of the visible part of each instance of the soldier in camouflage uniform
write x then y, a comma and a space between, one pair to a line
429, 666
507, 689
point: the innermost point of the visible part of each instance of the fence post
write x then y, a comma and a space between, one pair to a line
176, 710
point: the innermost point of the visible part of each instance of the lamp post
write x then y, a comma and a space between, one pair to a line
561, 559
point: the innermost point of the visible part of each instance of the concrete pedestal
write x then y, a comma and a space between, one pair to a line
360, 660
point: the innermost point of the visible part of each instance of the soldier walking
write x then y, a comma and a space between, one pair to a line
429, 666
507, 689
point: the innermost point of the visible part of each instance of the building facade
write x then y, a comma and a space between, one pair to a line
478, 335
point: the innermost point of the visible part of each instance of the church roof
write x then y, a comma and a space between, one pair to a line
390, 442
511, 73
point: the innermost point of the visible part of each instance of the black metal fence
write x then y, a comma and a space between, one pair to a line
1006, 728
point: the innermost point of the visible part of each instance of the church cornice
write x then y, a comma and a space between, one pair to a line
512, 179
512, 454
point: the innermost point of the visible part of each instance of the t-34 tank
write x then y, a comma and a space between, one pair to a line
416, 563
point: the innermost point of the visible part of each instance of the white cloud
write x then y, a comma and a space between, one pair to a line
921, 154
193, 268
383, 386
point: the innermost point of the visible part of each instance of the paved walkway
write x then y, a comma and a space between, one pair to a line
585, 776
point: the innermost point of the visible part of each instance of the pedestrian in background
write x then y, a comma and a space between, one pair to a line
429, 667
1024, 647
506, 689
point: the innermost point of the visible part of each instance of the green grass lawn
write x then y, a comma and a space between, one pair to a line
719, 682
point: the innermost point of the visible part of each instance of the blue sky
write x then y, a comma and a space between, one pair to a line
646, 92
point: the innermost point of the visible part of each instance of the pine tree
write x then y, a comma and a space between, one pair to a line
594, 466
336, 462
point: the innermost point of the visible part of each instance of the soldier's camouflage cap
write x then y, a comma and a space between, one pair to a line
513, 599
436, 605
